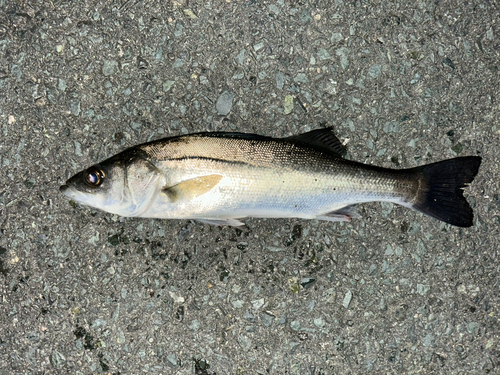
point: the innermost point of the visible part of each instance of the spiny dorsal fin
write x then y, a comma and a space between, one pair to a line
320, 138
192, 188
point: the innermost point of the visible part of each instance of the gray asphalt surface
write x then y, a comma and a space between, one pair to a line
403, 84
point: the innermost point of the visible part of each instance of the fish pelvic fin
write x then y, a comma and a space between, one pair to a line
441, 189
192, 188
221, 222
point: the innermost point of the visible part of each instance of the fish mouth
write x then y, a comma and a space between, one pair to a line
64, 189
67, 190
74, 194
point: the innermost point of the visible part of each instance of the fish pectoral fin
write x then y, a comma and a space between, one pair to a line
342, 214
221, 222
192, 188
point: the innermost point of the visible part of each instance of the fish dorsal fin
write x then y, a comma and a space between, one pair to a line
322, 138
193, 188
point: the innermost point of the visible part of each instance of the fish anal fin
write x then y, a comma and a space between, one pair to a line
321, 138
342, 214
192, 188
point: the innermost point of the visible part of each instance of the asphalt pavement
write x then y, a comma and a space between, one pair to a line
394, 292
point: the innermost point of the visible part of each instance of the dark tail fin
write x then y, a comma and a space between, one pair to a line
441, 195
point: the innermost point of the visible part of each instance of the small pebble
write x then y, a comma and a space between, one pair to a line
224, 103
288, 105
347, 299
109, 67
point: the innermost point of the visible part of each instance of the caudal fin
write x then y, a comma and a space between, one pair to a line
441, 195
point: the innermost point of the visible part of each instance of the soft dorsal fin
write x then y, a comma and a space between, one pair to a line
320, 138
192, 188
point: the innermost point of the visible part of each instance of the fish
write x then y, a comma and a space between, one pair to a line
221, 178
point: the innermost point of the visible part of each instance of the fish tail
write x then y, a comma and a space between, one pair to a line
441, 195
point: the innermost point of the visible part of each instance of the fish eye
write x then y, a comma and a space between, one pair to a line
94, 176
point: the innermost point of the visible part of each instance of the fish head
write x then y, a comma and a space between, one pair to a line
124, 184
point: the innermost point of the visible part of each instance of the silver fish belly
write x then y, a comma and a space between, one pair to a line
220, 178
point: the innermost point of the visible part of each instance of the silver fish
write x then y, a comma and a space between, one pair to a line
220, 178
